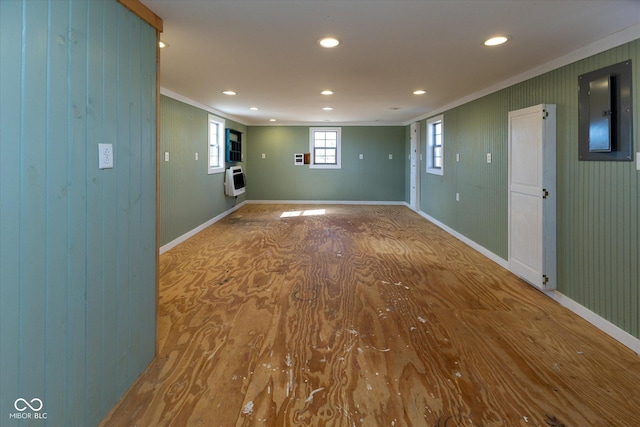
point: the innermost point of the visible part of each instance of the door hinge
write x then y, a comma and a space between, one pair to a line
545, 279
545, 193
545, 114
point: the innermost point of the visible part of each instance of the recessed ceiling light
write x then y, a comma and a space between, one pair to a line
326, 92
327, 108
253, 108
495, 41
229, 92
419, 92
272, 120
328, 42
162, 44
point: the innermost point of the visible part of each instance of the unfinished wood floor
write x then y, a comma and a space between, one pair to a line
366, 316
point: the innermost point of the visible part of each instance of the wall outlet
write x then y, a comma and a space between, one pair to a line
390, 156
488, 157
361, 156
457, 157
457, 197
264, 155
196, 156
105, 156
166, 156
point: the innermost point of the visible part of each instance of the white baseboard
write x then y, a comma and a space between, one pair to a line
484, 251
599, 322
198, 229
324, 202
201, 227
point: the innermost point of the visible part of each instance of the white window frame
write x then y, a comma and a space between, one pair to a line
431, 123
218, 145
312, 147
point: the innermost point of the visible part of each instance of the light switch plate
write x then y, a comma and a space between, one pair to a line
105, 156
361, 156
638, 161
488, 157
390, 156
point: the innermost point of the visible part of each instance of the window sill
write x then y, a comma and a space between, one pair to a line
325, 167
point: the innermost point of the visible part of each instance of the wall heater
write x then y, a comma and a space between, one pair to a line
234, 182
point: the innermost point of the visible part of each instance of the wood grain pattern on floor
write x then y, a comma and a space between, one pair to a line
365, 316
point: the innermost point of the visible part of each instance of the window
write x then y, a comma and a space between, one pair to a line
435, 145
216, 145
324, 145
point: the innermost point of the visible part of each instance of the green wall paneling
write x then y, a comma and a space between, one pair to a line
598, 208
407, 169
77, 244
374, 178
189, 196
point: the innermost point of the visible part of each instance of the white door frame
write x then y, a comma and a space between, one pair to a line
414, 159
532, 188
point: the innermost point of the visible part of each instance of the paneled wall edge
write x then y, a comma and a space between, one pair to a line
172, 244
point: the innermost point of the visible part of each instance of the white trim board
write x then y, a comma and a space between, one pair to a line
599, 322
610, 42
189, 101
467, 241
189, 234
596, 320
325, 202
174, 95
175, 242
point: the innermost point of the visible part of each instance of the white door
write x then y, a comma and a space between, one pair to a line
414, 184
532, 222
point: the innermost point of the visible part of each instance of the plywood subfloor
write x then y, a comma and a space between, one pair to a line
366, 316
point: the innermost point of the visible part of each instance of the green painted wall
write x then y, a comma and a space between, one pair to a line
598, 205
374, 178
472, 130
189, 196
77, 244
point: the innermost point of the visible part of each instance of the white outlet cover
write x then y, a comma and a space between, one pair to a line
638, 161
105, 156
361, 156
166, 156
390, 156
488, 157
457, 157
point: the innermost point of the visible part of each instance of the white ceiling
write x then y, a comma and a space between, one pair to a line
266, 51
